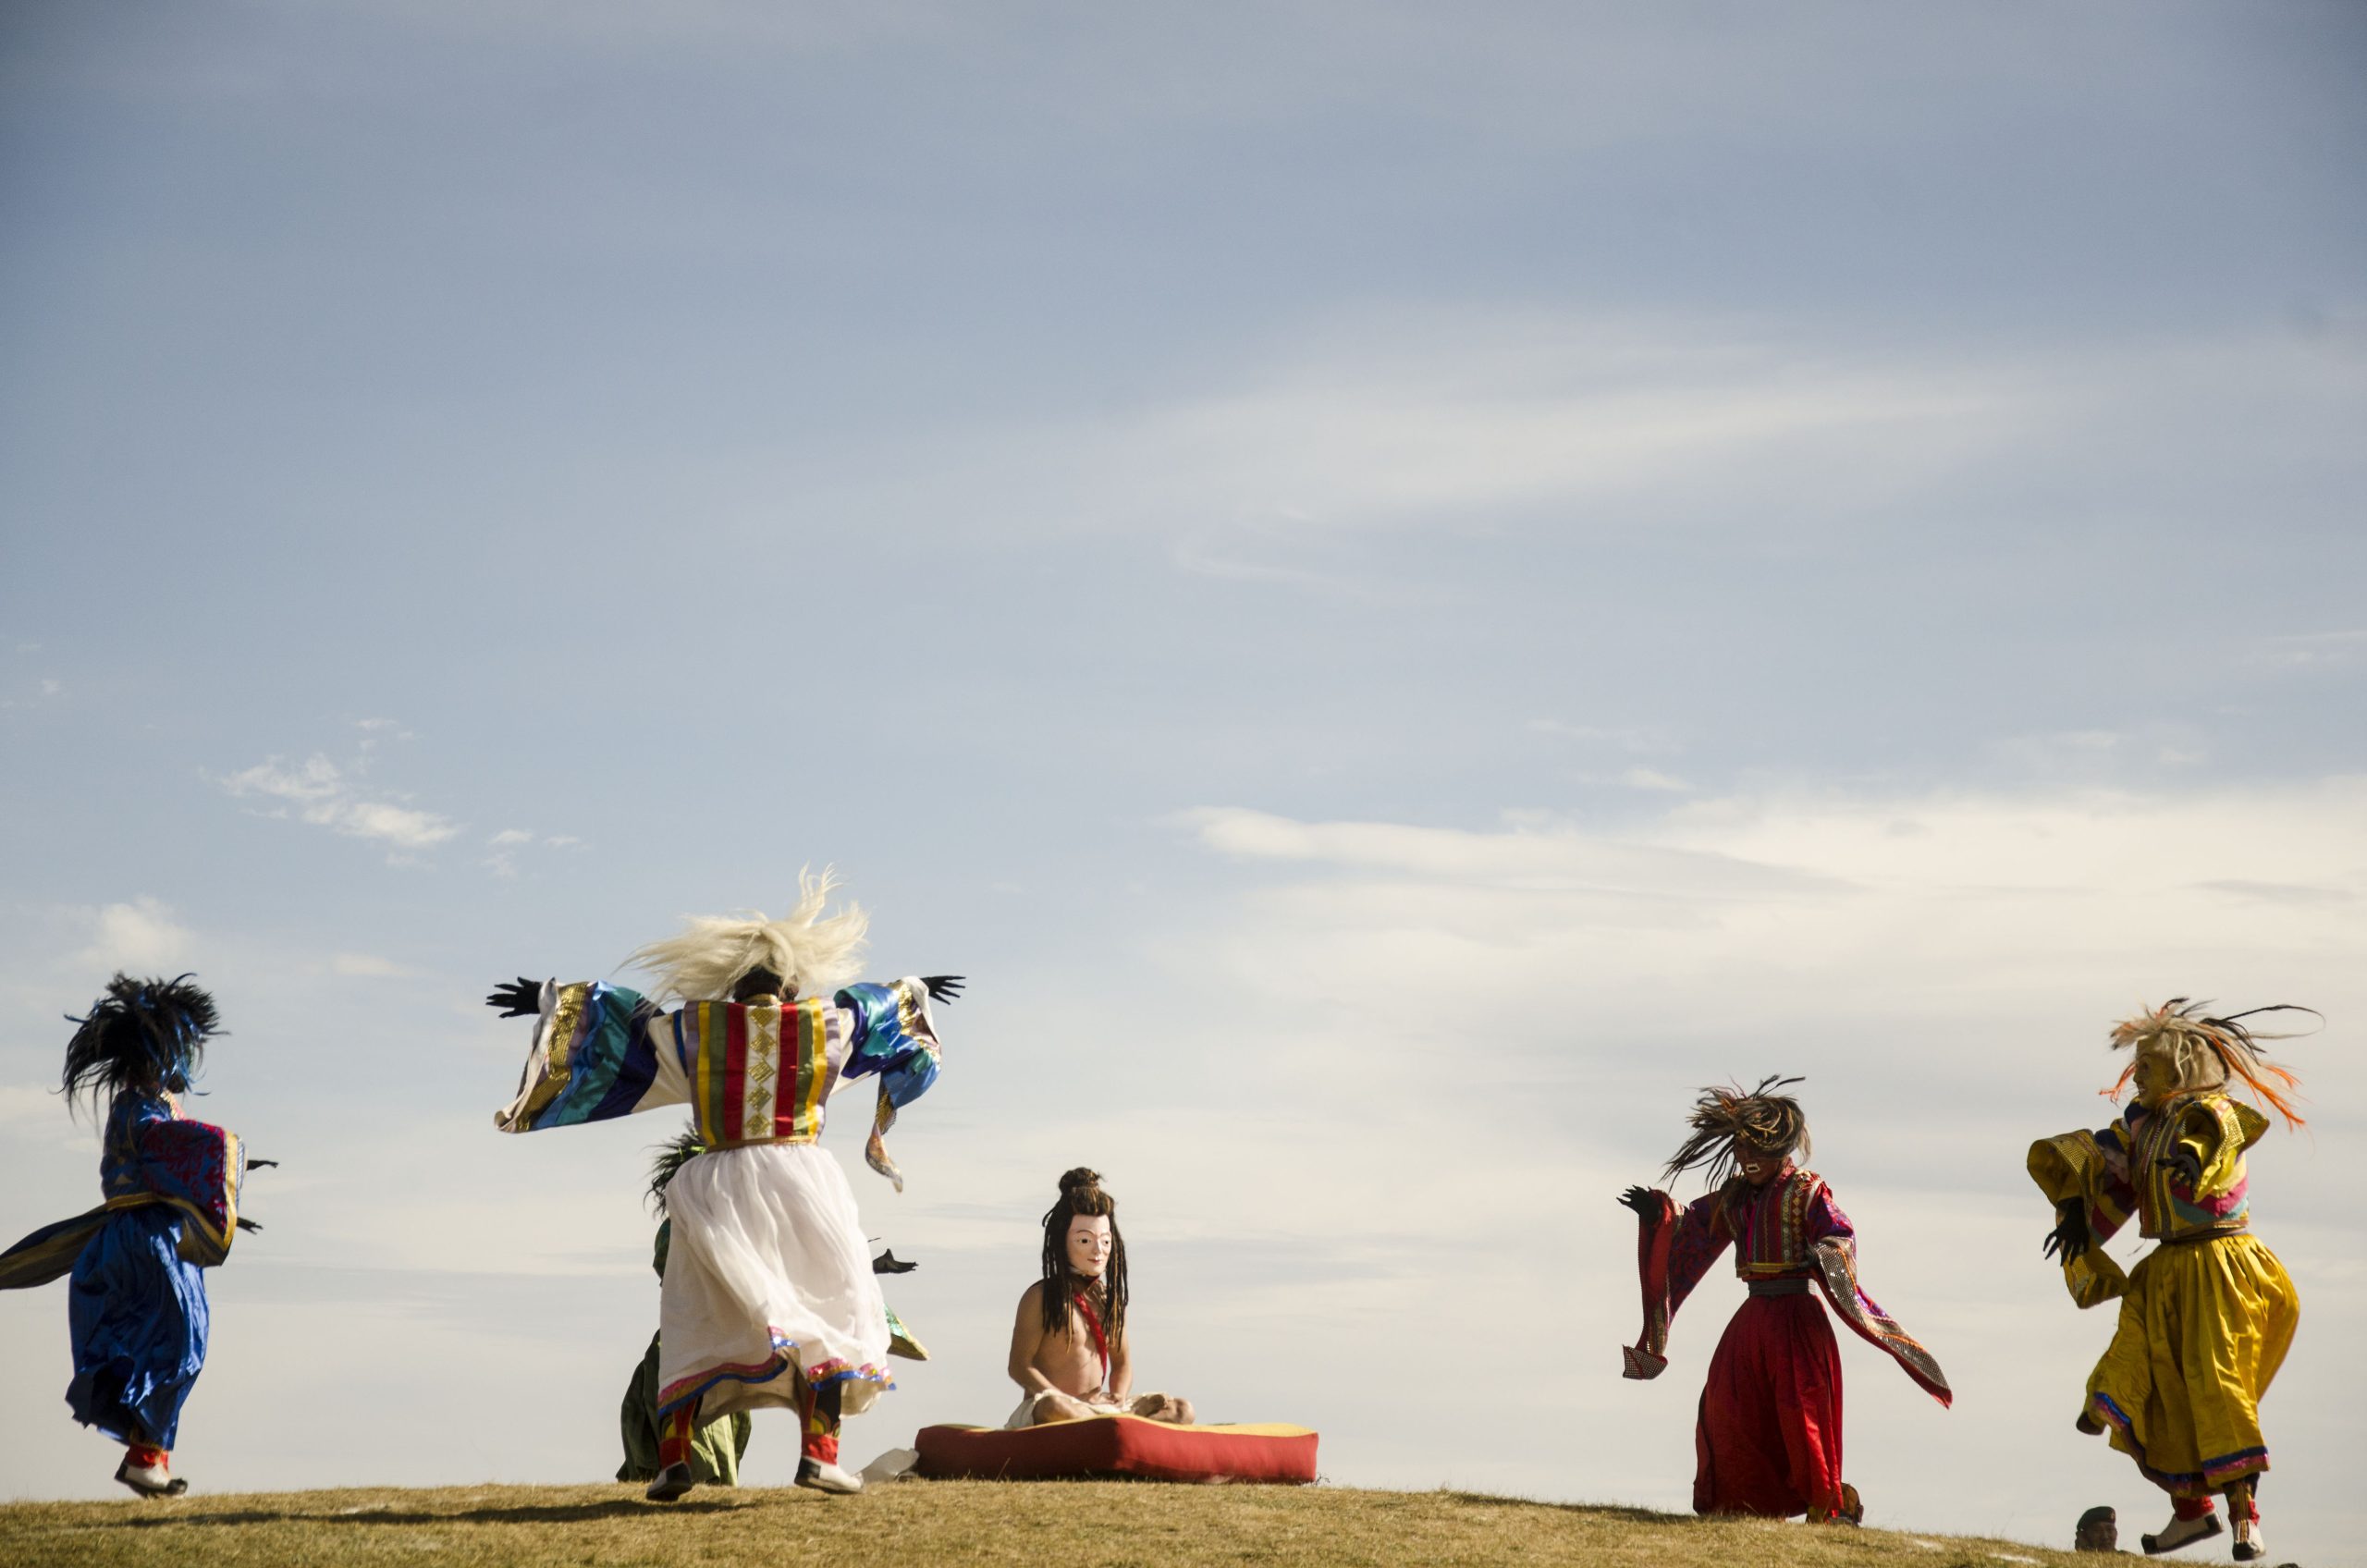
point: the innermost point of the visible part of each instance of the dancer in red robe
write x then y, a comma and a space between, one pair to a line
1767, 1439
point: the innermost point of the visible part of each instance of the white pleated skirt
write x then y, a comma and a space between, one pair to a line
767, 1270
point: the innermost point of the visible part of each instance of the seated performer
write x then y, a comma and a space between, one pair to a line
1072, 1354
1767, 1439
718, 1446
2207, 1316
137, 1303
769, 1298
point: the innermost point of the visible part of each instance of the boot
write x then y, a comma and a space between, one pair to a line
2180, 1533
672, 1482
823, 1476
150, 1481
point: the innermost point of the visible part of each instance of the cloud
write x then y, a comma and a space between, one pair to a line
1837, 928
318, 793
375, 730
2317, 650
1626, 738
141, 935
1534, 854
367, 966
504, 845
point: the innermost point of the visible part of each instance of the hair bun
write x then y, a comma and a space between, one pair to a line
1078, 1179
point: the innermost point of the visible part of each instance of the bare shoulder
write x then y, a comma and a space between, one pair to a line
1032, 1298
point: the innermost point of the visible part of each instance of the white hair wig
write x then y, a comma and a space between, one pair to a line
813, 955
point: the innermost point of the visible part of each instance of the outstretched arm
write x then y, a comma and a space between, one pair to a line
1674, 1248
518, 999
896, 1039
600, 1051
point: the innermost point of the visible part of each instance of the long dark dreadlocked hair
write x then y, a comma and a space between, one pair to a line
142, 1035
684, 1147
1081, 1195
1774, 1124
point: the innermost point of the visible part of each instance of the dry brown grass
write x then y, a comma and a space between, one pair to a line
1028, 1526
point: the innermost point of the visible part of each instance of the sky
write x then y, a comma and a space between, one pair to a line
1401, 588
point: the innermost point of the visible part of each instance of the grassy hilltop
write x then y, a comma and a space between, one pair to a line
1072, 1525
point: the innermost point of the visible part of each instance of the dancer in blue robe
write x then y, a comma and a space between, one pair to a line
136, 1302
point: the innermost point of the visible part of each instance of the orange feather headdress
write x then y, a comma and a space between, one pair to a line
2189, 1036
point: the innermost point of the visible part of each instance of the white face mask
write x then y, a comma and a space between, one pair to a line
1088, 1244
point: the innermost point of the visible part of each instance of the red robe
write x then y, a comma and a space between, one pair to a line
1768, 1438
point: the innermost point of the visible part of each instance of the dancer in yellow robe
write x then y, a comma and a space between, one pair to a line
2207, 1316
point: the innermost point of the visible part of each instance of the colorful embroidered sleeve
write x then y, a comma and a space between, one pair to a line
1833, 1243
191, 1166
1674, 1248
2090, 1170
1825, 1223
896, 1039
150, 1156
600, 1051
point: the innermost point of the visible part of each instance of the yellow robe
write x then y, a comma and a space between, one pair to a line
2205, 1318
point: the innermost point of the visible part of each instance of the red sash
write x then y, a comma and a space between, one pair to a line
1100, 1339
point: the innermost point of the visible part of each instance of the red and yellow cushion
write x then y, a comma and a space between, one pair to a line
1115, 1447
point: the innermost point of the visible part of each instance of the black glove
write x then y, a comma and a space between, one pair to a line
1640, 1200
943, 987
247, 1224
518, 999
2071, 1238
2183, 1162
889, 1263
259, 1164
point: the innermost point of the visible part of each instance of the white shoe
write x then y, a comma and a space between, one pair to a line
2180, 1533
150, 1481
2248, 1542
824, 1478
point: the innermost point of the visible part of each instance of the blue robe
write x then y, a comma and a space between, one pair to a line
136, 1302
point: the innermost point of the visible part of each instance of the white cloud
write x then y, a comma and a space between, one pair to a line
1535, 854
506, 845
1652, 779
368, 966
1626, 738
317, 791
2316, 650
143, 935
1826, 920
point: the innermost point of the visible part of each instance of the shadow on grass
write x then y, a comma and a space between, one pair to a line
1624, 1513
567, 1514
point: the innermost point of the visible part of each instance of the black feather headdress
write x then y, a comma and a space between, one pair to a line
145, 1034
1774, 1124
